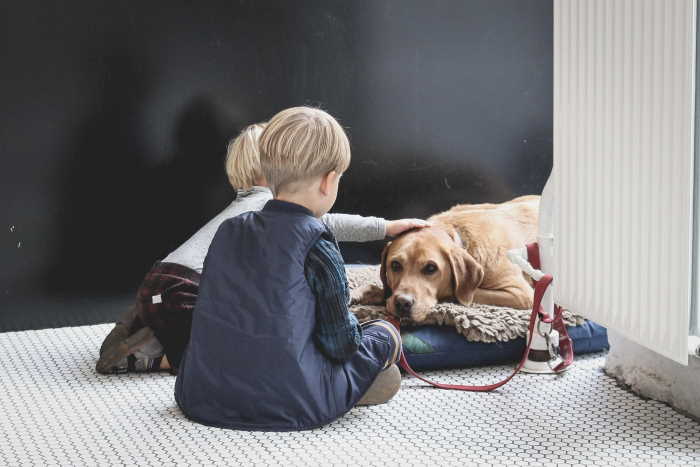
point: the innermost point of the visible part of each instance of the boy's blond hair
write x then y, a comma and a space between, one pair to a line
301, 143
243, 157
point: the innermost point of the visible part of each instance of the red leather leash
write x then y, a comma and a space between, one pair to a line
556, 321
566, 347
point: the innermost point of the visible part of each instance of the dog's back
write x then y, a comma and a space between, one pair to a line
515, 220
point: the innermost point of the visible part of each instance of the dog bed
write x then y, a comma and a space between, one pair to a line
433, 347
457, 336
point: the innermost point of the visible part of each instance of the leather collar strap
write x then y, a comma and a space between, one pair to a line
565, 344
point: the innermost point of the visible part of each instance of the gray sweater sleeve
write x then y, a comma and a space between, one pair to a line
353, 228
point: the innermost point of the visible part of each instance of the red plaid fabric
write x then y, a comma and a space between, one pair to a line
165, 302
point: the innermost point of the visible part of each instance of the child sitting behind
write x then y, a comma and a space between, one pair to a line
153, 334
273, 345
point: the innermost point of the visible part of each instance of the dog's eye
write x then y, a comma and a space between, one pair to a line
395, 266
430, 268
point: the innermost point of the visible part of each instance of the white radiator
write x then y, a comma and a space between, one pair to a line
622, 180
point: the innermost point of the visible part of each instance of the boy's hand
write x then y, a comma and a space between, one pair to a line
394, 228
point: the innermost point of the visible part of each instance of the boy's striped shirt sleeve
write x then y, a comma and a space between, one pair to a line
337, 332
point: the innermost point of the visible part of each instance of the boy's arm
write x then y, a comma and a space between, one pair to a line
337, 333
354, 228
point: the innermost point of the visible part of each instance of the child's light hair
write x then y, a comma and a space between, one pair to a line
243, 157
301, 143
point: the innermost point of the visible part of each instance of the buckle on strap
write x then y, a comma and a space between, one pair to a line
551, 339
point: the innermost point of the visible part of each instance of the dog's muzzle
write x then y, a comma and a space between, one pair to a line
403, 305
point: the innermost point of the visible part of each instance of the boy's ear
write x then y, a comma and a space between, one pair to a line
327, 180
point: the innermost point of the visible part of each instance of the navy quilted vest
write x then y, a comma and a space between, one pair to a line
251, 363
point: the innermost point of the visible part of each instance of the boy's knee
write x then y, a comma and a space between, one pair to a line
393, 336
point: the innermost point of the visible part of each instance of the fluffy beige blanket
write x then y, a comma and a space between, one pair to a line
478, 323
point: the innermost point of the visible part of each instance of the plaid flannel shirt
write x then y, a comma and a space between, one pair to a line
338, 333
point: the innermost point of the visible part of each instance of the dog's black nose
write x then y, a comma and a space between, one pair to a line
404, 303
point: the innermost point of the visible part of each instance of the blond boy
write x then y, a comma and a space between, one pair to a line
273, 345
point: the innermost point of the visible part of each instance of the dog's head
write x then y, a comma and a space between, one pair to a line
425, 266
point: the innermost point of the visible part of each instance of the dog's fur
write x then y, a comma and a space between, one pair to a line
461, 256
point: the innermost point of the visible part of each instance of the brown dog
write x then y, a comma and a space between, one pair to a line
463, 257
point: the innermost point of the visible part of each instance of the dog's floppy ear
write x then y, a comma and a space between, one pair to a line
382, 272
454, 235
467, 275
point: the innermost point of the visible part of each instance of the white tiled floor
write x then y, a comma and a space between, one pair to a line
55, 410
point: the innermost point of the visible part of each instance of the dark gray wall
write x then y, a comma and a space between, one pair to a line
116, 116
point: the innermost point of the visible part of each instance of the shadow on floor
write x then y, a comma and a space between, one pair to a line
41, 313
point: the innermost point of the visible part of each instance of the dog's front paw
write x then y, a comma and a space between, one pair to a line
367, 295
